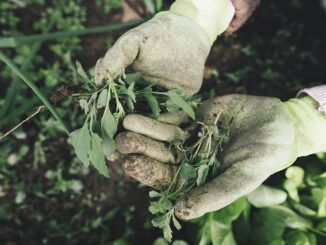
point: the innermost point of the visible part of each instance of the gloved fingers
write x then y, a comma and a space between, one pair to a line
148, 171
118, 57
248, 166
154, 129
130, 142
176, 118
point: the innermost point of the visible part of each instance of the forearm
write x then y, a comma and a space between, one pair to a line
213, 16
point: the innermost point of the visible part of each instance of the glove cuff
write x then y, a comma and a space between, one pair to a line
310, 124
213, 16
318, 93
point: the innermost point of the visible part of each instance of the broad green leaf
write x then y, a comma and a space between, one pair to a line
202, 174
232, 211
154, 208
81, 141
179, 101
108, 145
282, 216
265, 196
97, 156
109, 125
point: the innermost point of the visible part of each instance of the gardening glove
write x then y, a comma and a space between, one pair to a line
170, 49
265, 136
243, 10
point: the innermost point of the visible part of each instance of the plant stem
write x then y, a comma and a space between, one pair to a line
35, 89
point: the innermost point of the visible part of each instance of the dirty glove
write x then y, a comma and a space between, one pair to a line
243, 10
170, 49
266, 136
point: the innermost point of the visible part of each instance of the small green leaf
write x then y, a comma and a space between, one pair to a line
202, 174
102, 98
176, 223
167, 232
153, 194
179, 101
82, 73
188, 172
166, 204
159, 221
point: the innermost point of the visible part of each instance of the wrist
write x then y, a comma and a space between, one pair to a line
212, 16
310, 123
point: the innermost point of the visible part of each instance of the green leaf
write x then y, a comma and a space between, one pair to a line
109, 125
188, 172
300, 238
153, 194
319, 197
265, 196
166, 204
180, 102
102, 98
167, 232
82, 73
81, 141
294, 180
322, 226
159, 221
97, 156
152, 102
155, 208
176, 223
202, 174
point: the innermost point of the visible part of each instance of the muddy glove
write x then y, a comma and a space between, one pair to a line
266, 136
243, 10
170, 49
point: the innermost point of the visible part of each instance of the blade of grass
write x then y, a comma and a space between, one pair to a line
35, 89
12, 42
15, 87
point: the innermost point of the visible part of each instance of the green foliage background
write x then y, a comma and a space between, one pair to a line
47, 197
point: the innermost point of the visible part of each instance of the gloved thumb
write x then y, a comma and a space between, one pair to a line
118, 57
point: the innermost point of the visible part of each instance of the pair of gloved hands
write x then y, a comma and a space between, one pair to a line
266, 135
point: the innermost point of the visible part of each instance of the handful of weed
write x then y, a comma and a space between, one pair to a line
199, 164
105, 108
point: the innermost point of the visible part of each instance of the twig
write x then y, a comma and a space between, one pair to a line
22, 122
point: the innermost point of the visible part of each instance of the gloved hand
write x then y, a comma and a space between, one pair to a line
243, 10
266, 136
170, 49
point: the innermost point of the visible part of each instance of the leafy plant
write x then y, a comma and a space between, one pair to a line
200, 163
106, 107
